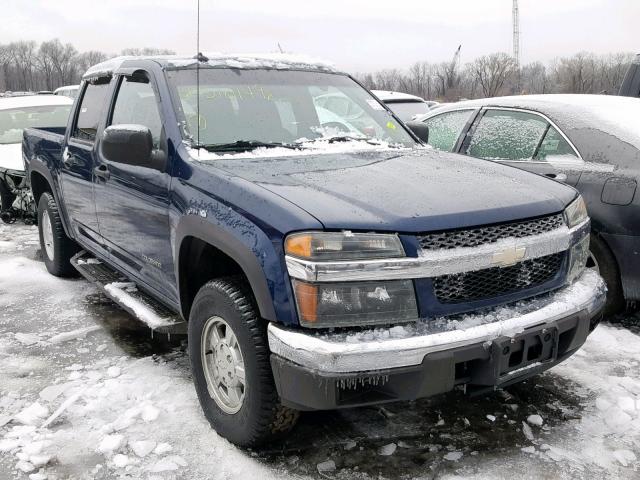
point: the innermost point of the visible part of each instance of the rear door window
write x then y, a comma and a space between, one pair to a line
507, 135
91, 108
445, 129
553, 144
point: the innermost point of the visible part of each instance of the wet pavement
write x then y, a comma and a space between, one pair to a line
63, 342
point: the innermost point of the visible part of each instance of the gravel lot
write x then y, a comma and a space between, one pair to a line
87, 392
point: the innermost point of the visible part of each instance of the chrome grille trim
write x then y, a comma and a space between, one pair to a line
434, 263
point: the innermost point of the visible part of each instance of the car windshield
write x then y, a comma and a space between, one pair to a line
408, 110
245, 108
13, 121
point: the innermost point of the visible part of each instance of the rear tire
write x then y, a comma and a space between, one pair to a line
6, 197
57, 248
259, 417
604, 262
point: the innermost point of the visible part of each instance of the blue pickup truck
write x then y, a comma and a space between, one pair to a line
315, 260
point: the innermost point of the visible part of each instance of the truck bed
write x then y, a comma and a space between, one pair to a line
44, 142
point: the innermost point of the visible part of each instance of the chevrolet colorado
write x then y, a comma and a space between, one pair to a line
315, 264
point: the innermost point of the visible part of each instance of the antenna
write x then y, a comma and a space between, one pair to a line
280, 48
516, 39
198, 55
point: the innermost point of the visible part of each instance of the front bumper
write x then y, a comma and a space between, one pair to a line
315, 371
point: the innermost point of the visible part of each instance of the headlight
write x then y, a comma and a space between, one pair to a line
355, 303
578, 256
576, 212
343, 246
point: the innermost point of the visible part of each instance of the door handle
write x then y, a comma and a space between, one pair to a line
102, 171
561, 177
68, 158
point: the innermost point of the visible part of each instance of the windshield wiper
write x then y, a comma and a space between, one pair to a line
350, 138
245, 145
340, 138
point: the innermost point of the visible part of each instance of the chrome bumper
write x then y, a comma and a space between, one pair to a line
381, 349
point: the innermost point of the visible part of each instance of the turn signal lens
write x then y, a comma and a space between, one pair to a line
307, 300
298, 245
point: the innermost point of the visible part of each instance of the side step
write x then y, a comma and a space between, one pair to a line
126, 294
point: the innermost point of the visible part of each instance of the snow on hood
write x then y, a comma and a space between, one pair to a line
11, 157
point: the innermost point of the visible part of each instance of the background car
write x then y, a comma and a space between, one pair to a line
16, 114
70, 91
404, 105
591, 142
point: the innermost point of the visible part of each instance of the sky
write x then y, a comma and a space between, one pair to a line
356, 35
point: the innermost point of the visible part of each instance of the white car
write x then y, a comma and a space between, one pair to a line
407, 107
16, 114
70, 91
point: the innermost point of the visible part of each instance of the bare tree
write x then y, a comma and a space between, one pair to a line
24, 61
492, 71
92, 57
534, 78
387, 79
45, 62
419, 79
26, 66
576, 74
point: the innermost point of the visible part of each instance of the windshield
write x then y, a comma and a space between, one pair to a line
279, 107
14, 120
408, 110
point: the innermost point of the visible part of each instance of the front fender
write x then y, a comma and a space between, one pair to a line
250, 248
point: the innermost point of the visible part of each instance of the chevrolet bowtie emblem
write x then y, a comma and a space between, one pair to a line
508, 256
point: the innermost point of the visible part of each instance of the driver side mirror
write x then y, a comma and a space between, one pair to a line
420, 130
131, 145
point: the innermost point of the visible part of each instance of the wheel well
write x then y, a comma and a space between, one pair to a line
39, 185
200, 262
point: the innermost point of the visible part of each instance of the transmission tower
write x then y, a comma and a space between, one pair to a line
516, 34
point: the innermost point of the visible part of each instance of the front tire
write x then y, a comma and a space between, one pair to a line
602, 260
57, 248
229, 356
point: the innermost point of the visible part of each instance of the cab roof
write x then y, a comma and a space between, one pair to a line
279, 61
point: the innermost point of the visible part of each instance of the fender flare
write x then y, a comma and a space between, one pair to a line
37, 165
230, 245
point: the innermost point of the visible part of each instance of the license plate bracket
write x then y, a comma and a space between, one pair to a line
524, 351
512, 357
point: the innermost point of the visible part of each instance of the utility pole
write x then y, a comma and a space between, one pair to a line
516, 41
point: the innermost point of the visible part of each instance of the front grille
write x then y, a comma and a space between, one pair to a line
496, 281
482, 235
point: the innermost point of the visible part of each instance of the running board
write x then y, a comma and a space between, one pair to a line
127, 295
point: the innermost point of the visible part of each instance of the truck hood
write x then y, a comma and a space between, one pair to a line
403, 190
11, 157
